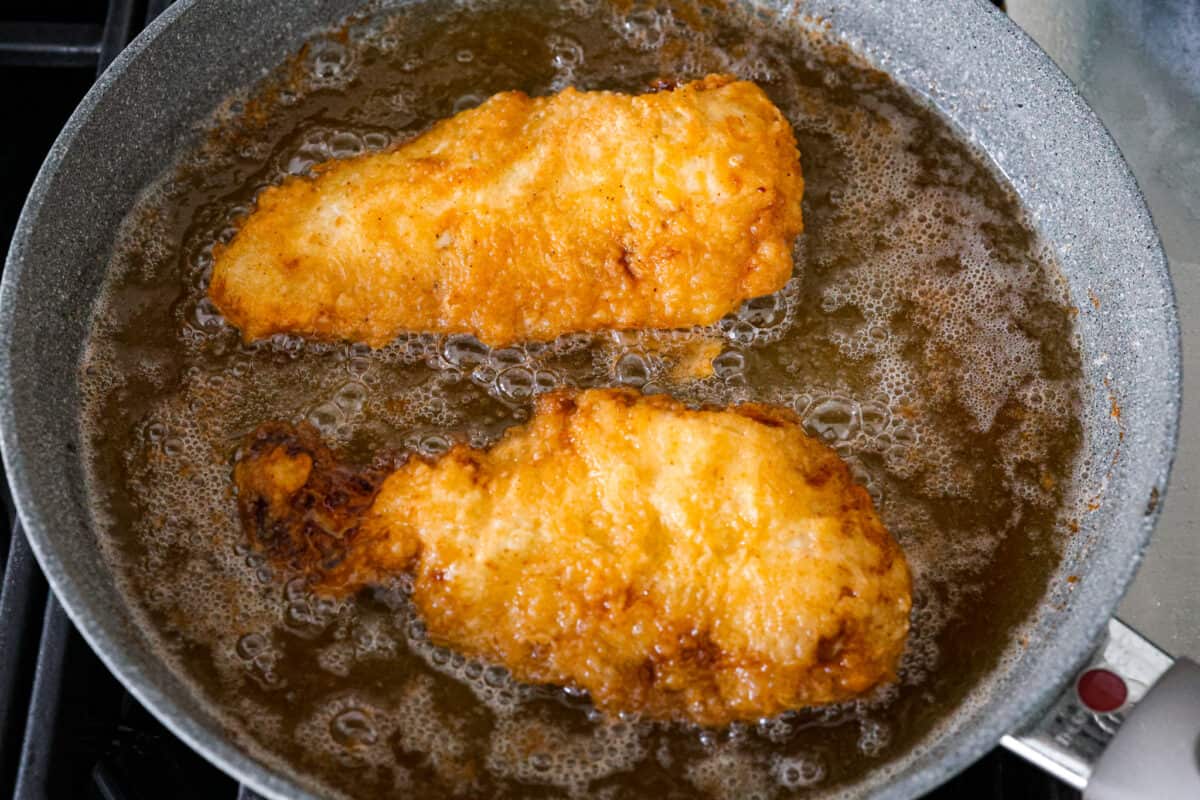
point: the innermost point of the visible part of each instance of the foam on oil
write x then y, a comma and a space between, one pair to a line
924, 337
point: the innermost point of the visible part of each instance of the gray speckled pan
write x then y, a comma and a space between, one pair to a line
970, 62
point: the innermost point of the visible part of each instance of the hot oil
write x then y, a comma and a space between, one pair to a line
925, 336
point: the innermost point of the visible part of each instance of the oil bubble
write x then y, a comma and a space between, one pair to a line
728, 364
832, 419
329, 62
632, 370
251, 646
353, 728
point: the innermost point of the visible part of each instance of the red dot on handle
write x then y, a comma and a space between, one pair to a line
1101, 691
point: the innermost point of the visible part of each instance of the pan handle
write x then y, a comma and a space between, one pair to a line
1127, 727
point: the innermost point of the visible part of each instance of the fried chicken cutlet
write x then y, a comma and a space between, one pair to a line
526, 218
702, 565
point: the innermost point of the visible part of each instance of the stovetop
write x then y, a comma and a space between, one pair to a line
68, 729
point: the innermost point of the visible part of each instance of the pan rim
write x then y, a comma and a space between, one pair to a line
1091, 621
208, 737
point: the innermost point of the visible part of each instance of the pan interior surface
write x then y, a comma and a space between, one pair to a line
925, 336
165, 391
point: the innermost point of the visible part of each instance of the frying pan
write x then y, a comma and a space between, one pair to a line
967, 60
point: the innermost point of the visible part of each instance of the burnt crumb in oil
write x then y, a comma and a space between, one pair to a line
924, 336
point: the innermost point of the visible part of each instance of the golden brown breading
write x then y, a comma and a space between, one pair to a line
707, 565
529, 218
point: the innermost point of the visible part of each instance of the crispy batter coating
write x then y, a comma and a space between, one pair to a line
526, 218
705, 565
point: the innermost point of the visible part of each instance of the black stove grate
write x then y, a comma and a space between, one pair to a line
68, 729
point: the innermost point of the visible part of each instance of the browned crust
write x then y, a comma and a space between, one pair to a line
311, 513
535, 258
310, 527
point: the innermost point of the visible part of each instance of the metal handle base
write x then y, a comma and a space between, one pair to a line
1070, 738
1127, 727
